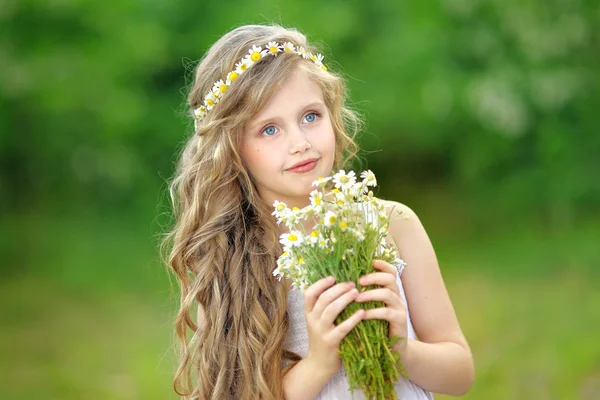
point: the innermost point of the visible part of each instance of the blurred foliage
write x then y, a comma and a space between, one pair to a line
495, 98
482, 115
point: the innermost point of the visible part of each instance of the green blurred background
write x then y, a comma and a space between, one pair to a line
482, 116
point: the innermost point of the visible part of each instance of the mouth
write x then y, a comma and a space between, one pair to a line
304, 166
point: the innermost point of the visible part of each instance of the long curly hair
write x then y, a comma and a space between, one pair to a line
224, 243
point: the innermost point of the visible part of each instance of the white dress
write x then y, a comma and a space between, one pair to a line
338, 388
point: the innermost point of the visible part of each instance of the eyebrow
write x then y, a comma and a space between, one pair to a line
265, 120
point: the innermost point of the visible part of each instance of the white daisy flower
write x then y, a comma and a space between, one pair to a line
232, 76
289, 47
369, 178
210, 100
329, 219
321, 181
343, 225
344, 180
243, 65
280, 210
314, 237
302, 52
291, 218
273, 48
340, 199
316, 198
291, 239
200, 112
256, 53
318, 59
358, 190
220, 87
323, 243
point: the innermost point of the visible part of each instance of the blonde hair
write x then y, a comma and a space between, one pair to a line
224, 244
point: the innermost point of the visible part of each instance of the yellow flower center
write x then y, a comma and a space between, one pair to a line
285, 253
332, 219
295, 209
255, 56
344, 179
273, 49
324, 68
336, 190
287, 49
343, 225
300, 260
317, 201
223, 88
234, 75
292, 237
280, 207
210, 102
313, 57
314, 234
340, 202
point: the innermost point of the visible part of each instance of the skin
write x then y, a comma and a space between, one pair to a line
294, 126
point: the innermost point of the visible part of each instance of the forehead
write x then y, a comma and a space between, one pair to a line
294, 93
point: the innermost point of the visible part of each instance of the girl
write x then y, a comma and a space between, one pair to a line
269, 120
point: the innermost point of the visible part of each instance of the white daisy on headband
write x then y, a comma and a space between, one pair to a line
219, 88
210, 100
289, 47
255, 54
273, 48
302, 52
243, 65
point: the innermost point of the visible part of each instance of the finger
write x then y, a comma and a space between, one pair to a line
332, 310
390, 298
342, 330
384, 313
314, 291
379, 278
330, 295
384, 267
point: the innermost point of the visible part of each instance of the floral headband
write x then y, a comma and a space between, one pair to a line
253, 56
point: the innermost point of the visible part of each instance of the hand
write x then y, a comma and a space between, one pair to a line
389, 293
322, 304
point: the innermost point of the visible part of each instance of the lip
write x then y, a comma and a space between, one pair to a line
304, 166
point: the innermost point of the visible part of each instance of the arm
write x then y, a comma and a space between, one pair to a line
305, 380
440, 361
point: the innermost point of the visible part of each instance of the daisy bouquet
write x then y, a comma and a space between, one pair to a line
350, 226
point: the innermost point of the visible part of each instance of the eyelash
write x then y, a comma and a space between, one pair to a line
318, 115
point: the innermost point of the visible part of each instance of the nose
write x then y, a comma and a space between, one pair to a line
299, 142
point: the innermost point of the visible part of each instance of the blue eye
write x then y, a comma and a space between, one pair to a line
311, 117
269, 131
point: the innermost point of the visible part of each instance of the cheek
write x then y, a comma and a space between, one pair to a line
258, 160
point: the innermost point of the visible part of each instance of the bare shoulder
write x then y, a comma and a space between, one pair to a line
428, 301
403, 220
